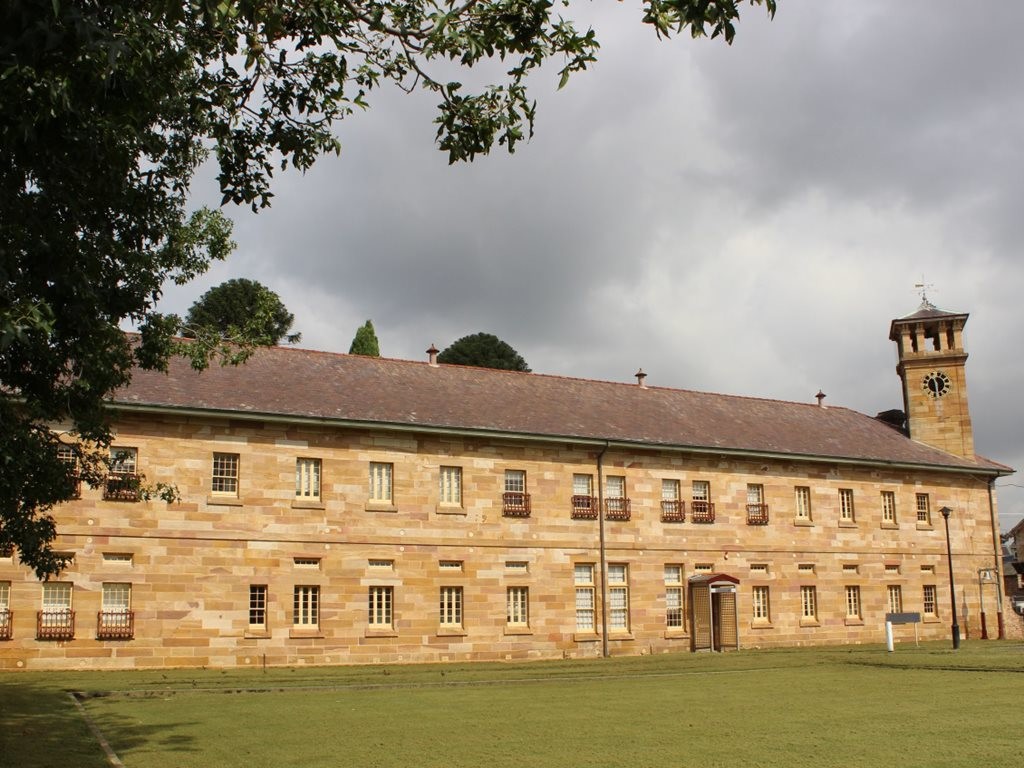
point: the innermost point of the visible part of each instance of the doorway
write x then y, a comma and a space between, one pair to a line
714, 620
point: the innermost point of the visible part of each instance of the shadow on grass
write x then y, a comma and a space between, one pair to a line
40, 727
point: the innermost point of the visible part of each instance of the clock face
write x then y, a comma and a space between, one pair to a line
936, 384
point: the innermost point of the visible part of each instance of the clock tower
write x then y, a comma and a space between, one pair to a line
931, 365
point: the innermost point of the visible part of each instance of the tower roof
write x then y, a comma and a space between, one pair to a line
927, 311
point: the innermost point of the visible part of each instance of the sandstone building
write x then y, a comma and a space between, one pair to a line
343, 509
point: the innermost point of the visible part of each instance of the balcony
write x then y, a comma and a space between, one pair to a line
515, 504
6, 622
584, 508
673, 511
616, 508
757, 514
702, 511
58, 624
115, 625
122, 486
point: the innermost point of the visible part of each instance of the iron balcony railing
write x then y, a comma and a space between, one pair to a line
55, 624
616, 508
673, 511
6, 622
122, 486
584, 507
115, 625
702, 511
515, 504
757, 514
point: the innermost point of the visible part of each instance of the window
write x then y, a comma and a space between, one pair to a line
809, 603
123, 481
5, 610
451, 486
116, 620
517, 613
307, 479
930, 603
616, 505
56, 620
805, 569
517, 567
892, 569
759, 569
802, 495
306, 607
761, 606
701, 508
849, 568
380, 601
258, 606
888, 508
451, 607
307, 562
704, 567
924, 512
757, 510
672, 509
515, 501
894, 593
674, 597
583, 506
853, 602
618, 597
225, 474
450, 565
381, 482
119, 558
376, 563
846, 514
583, 576
68, 454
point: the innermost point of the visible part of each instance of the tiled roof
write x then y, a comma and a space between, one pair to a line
289, 382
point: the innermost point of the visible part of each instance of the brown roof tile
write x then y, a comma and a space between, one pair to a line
284, 381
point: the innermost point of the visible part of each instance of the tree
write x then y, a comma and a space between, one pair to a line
242, 308
107, 109
365, 341
483, 350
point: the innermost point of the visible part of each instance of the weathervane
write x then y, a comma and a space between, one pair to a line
923, 289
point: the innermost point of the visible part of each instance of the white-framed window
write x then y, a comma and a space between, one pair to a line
381, 482
582, 485
614, 487
257, 606
451, 486
894, 595
703, 567
618, 597
451, 607
5, 596
670, 490
930, 603
374, 562
673, 596
759, 569
117, 597
892, 569
307, 479
805, 569
306, 606
755, 493
118, 558
852, 602
124, 461
802, 497
850, 568
808, 603
517, 567
380, 604
583, 577
116, 621
56, 596
761, 604
701, 490
924, 511
888, 506
307, 562
225, 474
515, 481
450, 565
846, 513
517, 601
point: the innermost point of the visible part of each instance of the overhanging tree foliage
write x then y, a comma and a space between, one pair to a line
108, 107
365, 341
483, 350
243, 309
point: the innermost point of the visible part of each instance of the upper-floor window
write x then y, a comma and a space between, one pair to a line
307, 479
702, 510
846, 513
225, 474
124, 461
757, 510
888, 507
515, 501
381, 488
616, 504
672, 506
68, 454
123, 482
583, 504
802, 495
451, 486
924, 511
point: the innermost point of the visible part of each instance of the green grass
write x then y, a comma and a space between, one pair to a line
855, 706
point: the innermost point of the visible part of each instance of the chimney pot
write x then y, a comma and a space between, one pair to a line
640, 376
821, 399
432, 352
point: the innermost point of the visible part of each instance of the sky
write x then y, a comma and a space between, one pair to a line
742, 219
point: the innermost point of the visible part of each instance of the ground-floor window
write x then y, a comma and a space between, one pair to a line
517, 610
808, 603
583, 576
451, 607
930, 604
852, 602
761, 605
380, 607
306, 610
674, 596
618, 597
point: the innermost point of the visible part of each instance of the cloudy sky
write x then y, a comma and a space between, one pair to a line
744, 219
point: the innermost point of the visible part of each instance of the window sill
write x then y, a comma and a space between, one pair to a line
585, 637
451, 632
311, 634
257, 635
307, 504
925, 527
761, 624
803, 522
891, 526
380, 506
847, 523
810, 623
518, 631
853, 622
621, 636
380, 633
676, 634
931, 620
223, 501
445, 510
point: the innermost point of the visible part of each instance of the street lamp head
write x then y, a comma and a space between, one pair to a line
945, 511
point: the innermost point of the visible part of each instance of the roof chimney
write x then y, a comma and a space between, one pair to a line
821, 399
640, 376
433, 355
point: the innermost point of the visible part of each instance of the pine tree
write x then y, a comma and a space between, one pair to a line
365, 341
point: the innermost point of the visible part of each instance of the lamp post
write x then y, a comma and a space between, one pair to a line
945, 511
984, 574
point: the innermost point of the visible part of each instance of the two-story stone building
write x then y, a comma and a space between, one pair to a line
344, 509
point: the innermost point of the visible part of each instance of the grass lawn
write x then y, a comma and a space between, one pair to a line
851, 706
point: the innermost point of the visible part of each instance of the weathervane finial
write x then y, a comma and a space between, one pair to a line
923, 289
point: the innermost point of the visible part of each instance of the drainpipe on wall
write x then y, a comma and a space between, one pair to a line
604, 559
998, 552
